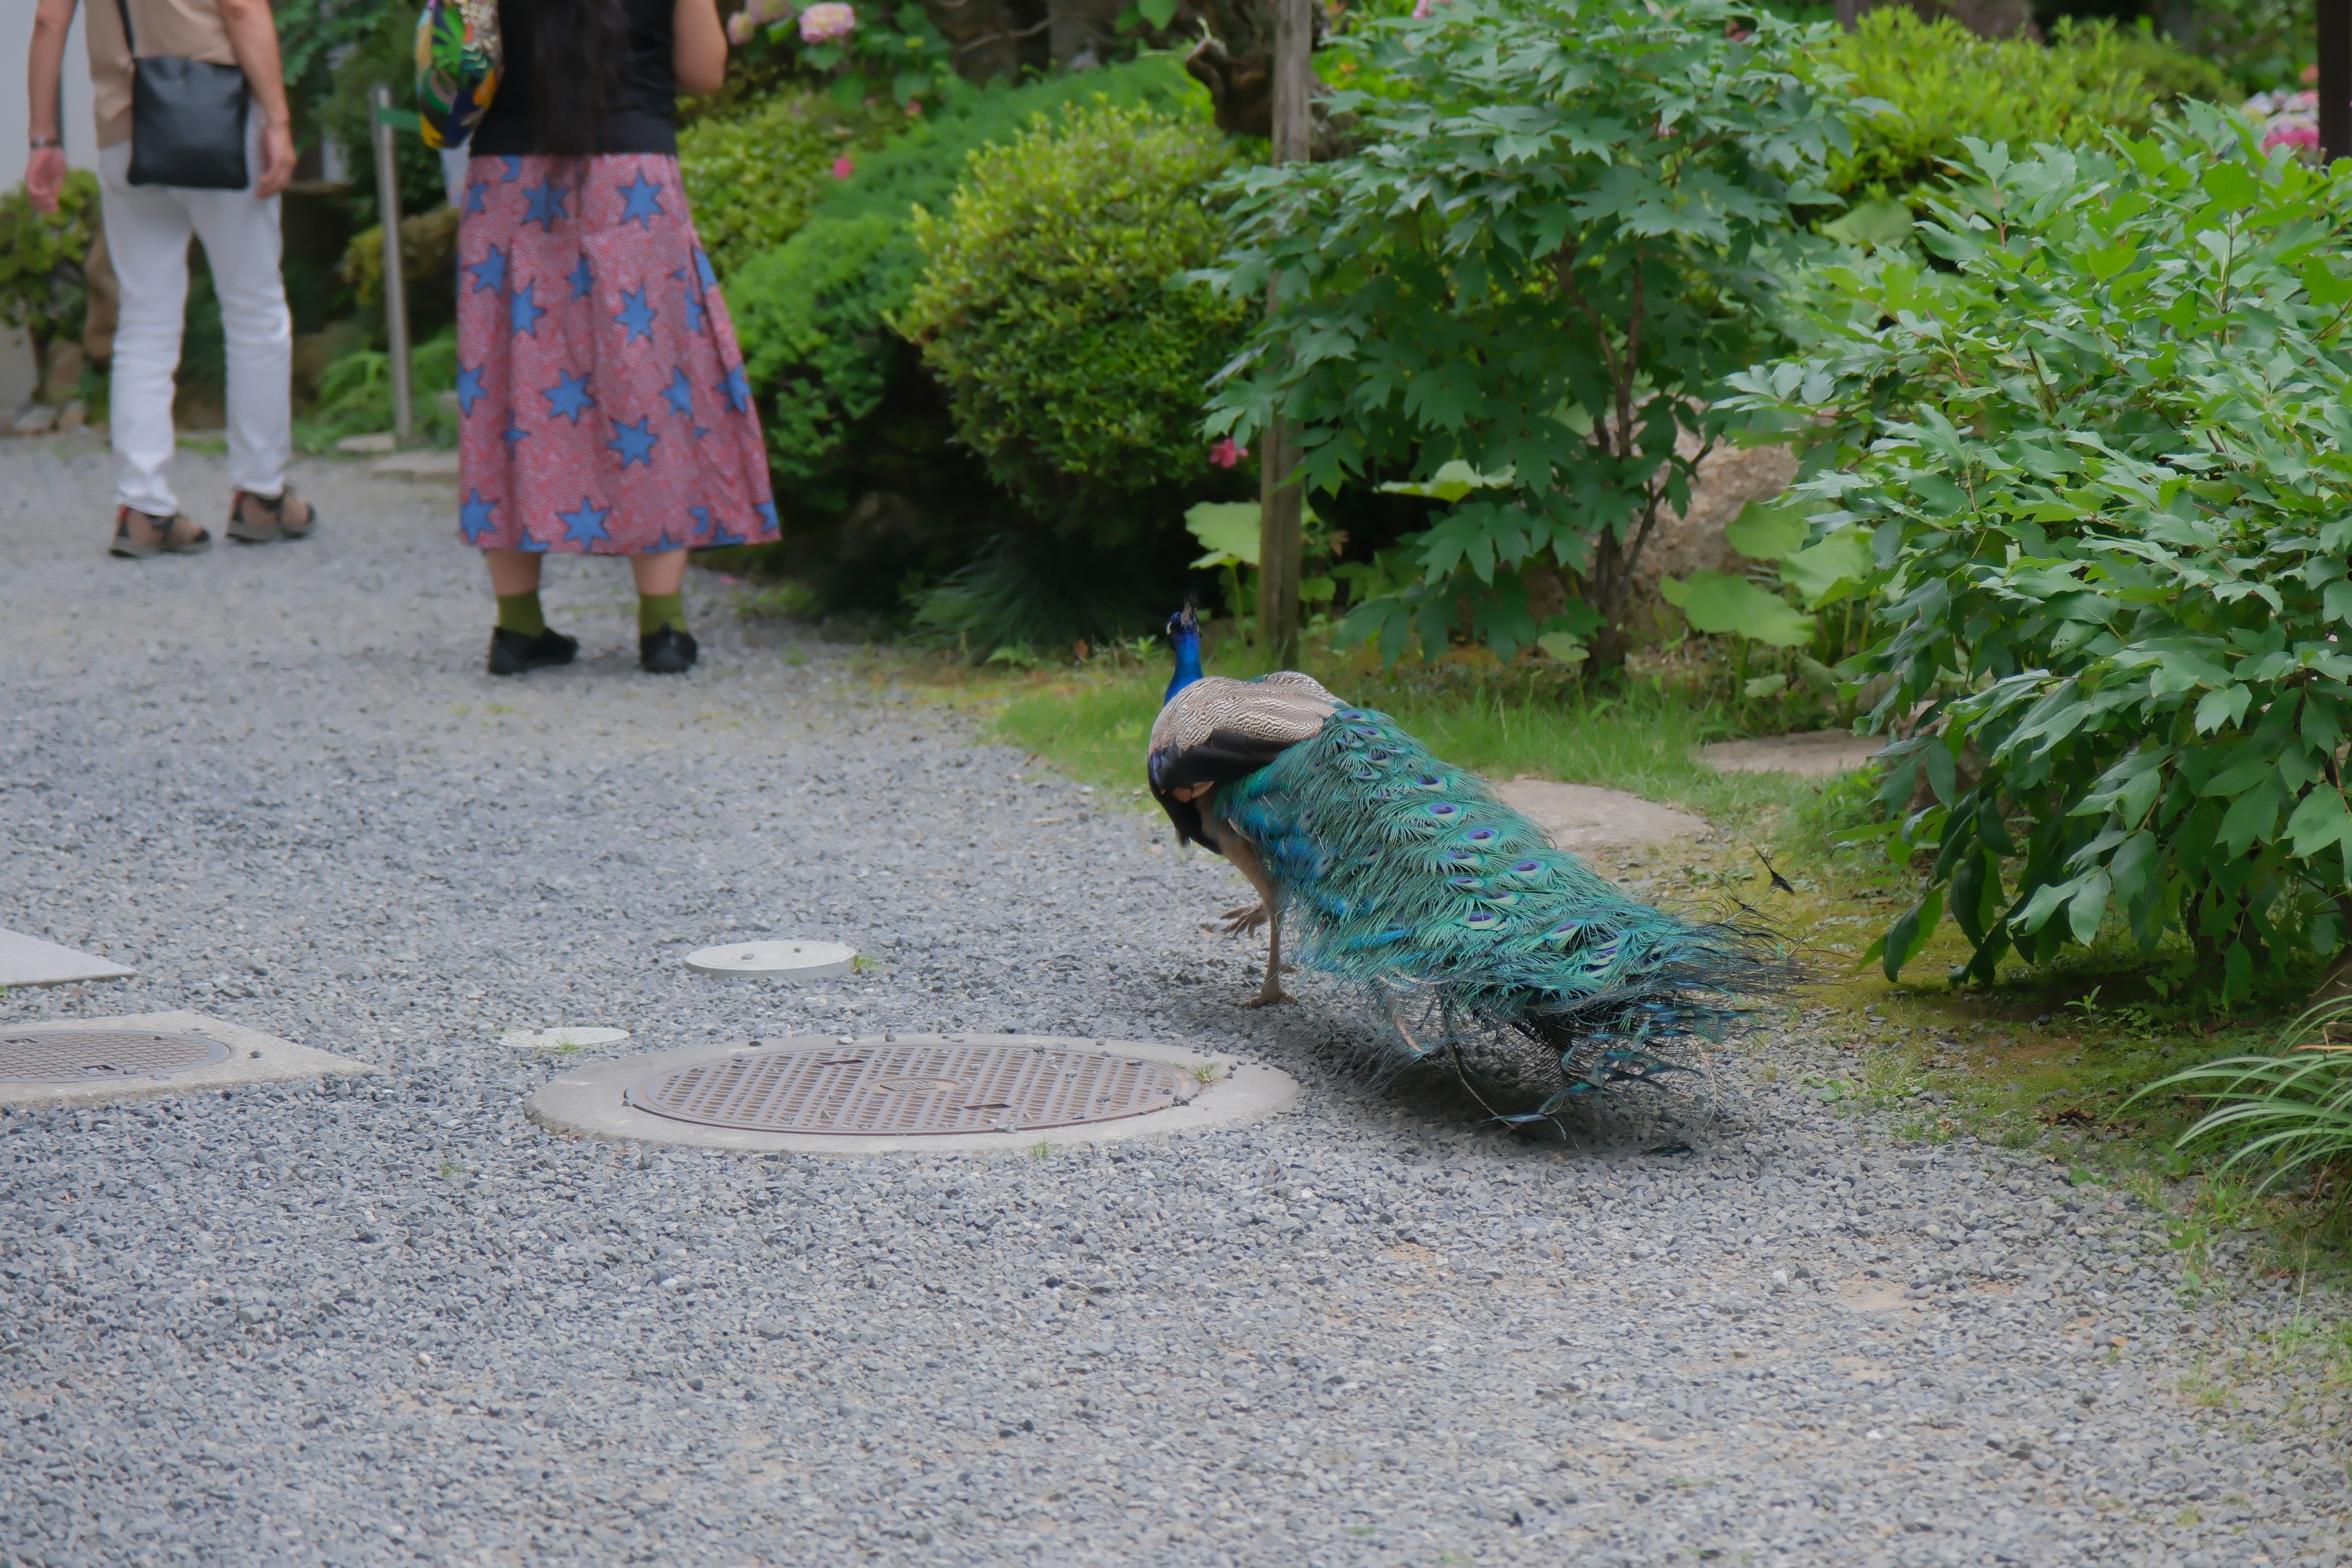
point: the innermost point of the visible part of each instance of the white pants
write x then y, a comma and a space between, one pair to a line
147, 232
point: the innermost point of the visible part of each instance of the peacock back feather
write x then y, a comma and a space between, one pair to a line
1403, 872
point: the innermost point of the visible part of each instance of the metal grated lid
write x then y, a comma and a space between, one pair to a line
91, 1056
908, 1089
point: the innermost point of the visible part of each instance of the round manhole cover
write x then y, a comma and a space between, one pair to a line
911, 1089
94, 1056
795, 961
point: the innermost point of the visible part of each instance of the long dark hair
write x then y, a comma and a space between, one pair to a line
580, 50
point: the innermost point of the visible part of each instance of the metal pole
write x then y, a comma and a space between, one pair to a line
2334, 80
395, 292
1282, 507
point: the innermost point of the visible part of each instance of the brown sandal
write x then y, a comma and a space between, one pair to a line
138, 535
265, 520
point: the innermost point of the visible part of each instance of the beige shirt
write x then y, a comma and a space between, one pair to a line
190, 29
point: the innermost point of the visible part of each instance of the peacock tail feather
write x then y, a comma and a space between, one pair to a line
1405, 873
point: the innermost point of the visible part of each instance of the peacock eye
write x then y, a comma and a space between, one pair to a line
1528, 868
1565, 929
1483, 834
1447, 808
1481, 920
1377, 756
1459, 856
1462, 882
1368, 733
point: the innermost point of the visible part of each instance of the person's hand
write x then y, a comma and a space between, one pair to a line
276, 159
44, 176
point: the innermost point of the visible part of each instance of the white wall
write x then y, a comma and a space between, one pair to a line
81, 149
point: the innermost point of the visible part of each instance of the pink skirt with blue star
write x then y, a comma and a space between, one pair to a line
603, 408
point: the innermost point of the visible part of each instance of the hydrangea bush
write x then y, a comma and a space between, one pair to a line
2102, 456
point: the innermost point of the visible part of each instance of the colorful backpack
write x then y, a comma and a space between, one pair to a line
458, 57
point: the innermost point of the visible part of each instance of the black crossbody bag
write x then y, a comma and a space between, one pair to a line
187, 120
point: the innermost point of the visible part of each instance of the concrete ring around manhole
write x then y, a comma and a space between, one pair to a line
78, 1061
906, 1094
560, 1039
793, 960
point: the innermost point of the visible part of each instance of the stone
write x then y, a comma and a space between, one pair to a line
1812, 753
360, 445
1585, 819
38, 419
72, 416
29, 961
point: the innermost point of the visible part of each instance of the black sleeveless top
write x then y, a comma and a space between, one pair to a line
643, 115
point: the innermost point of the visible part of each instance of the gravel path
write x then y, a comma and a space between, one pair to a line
394, 1320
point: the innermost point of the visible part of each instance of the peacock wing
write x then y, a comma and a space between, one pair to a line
1217, 730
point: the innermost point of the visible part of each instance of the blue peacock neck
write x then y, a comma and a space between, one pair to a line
1184, 633
1188, 664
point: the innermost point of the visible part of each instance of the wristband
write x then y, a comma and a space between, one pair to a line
40, 143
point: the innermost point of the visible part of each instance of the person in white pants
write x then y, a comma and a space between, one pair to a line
147, 233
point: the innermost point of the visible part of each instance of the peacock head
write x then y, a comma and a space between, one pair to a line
1184, 637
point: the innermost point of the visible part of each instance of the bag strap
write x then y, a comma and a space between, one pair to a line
129, 42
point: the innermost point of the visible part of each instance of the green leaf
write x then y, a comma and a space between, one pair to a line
2319, 822
1229, 531
2086, 907
2109, 261
1817, 571
2230, 185
1451, 482
1767, 530
2226, 706
1715, 602
1910, 933
1872, 222
2325, 289
1764, 686
1565, 647
1159, 13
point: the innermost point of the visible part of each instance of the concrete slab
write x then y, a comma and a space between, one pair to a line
29, 961
422, 467
253, 1058
1585, 819
1813, 754
589, 1101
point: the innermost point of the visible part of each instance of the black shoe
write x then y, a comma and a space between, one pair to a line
511, 653
668, 651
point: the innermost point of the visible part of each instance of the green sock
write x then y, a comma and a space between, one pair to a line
521, 613
655, 611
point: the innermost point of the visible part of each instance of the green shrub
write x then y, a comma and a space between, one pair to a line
2102, 458
428, 262
355, 396
42, 291
754, 177
1945, 84
1072, 366
813, 315
1540, 261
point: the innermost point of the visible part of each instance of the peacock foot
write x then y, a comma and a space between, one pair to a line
1268, 994
1244, 920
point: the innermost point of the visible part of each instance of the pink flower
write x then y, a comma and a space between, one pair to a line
914, 108
843, 168
739, 27
1421, 8
822, 24
2310, 76
2292, 136
1225, 454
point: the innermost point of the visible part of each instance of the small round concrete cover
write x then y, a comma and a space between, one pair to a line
775, 960
1585, 819
561, 1039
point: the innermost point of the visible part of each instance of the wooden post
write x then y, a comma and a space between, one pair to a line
2334, 80
396, 289
1282, 506
1850, 11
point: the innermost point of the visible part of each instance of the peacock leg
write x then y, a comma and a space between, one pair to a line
1243, 855
1272, 990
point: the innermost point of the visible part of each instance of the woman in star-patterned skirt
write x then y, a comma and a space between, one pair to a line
603, 408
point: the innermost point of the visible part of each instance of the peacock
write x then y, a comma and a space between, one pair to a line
1402, 872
